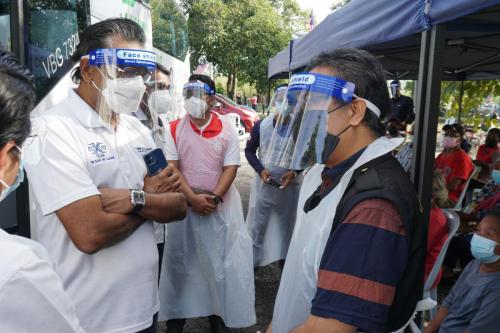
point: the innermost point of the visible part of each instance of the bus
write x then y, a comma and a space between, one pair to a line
44, 34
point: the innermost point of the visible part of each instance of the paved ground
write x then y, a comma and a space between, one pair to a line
266, 278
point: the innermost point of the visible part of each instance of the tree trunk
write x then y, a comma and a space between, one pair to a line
233, 85
229, 84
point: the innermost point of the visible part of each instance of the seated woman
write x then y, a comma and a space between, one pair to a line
438, 227
454, 163
484, 157
474, 302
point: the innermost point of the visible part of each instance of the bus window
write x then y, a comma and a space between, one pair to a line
51, 38
170, 28
5, 25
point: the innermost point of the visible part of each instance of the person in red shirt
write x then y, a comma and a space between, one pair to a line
484, 156
454, 163
438, 226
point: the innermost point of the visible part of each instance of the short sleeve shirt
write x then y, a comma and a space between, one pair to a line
363, 261
32, 296
456, 164
80, 154
485, 154
210, 130
474, 302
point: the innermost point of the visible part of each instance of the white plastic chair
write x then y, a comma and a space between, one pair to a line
458, 206
236, 120
429, 299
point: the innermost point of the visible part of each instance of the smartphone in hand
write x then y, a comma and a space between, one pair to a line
155, 161
274, 183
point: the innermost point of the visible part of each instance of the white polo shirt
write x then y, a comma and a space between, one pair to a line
116, 289
32, 297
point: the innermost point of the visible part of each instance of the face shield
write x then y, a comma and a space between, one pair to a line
124, 73
300, 137
277, 101
196, 95
394, 89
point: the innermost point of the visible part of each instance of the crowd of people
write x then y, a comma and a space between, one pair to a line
124, 241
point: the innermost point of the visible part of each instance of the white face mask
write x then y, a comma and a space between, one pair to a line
160, 102
123, 95
195, 107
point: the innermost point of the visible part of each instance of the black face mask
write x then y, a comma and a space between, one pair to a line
490, 142
331, 142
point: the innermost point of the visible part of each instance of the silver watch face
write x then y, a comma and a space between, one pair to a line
138, 198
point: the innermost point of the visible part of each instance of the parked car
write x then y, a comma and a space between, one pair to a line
226, 105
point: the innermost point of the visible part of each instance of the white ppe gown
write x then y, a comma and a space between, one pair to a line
300, 276
207, 263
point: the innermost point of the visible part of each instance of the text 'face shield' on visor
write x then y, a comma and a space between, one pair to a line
301, 128
124, 73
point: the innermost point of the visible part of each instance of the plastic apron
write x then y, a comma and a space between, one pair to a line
312, 230
271, 211
207, 263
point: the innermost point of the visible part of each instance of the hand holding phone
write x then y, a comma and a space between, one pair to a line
155, 161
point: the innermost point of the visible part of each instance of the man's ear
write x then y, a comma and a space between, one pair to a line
358, 109
85, 70
5, 160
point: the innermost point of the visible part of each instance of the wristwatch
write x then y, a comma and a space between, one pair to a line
218, 200
138, 200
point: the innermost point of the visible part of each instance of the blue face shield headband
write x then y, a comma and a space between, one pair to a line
328, 86
123, 58
196, 89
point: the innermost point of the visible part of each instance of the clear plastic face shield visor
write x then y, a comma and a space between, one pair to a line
158, 104
394, 88
300, 137
196, 96
277, 101
124, 74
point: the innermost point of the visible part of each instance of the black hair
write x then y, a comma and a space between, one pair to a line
365, 71
17, 98
393, 82
163, 69
99, 36
281, 86
203, 78
495, 131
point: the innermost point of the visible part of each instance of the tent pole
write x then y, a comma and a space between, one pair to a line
461, 97
427, 110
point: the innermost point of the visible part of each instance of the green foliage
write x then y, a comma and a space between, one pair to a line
339, 4
239, 36
475, 93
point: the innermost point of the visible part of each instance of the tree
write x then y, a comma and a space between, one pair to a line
239, 36
475, 93
337, 4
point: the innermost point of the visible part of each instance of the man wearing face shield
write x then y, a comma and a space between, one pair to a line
401, 106
154, 110
26, 272
274, 193
94, 202
207, 267
356, 258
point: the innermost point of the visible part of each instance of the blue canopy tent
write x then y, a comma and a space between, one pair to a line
391, 30
427, 40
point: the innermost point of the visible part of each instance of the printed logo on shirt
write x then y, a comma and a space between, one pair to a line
143, 150
99, 153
